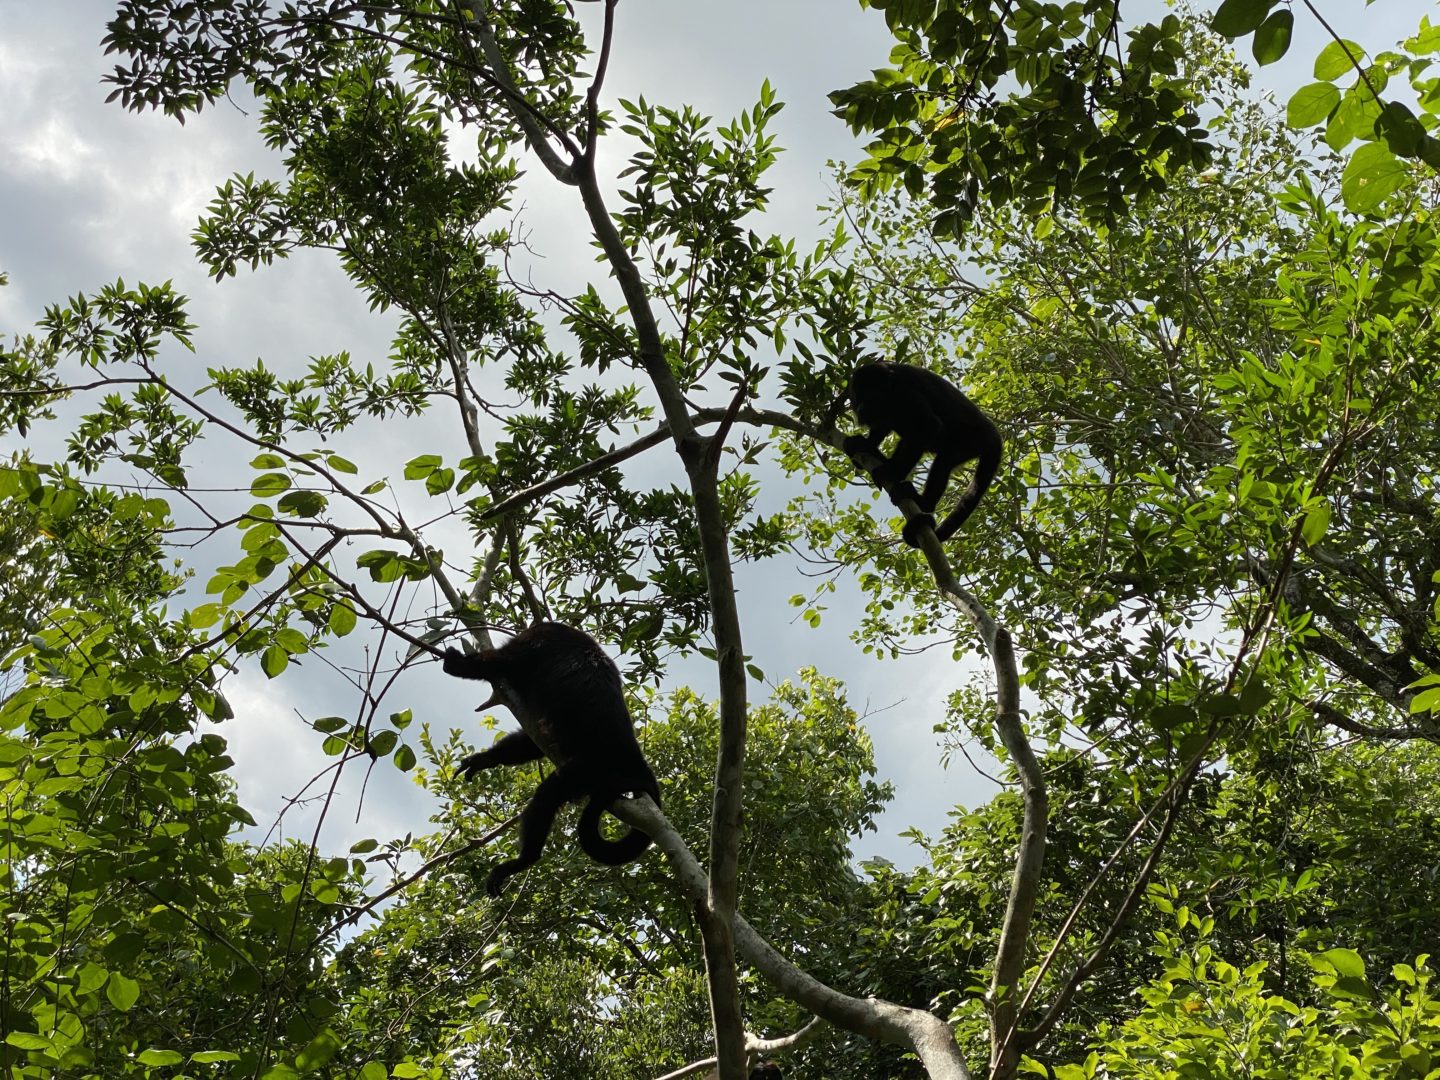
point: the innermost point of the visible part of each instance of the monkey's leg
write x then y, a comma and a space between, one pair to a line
898, 469
937, 481
928, 499
536, 819
513, 748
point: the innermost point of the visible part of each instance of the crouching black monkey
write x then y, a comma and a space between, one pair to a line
562, 680
766, 1070
931, 416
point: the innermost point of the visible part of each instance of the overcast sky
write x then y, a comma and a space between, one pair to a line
89, 194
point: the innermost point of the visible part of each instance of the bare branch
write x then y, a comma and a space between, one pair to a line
431, 865
538, 608
580, 472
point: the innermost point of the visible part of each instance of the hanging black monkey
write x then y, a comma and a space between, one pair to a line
931, 416
562, 680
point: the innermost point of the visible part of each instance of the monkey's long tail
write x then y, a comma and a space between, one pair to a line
985, 469
611, 852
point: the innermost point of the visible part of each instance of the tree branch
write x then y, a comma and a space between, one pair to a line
754, 1047
927, 1035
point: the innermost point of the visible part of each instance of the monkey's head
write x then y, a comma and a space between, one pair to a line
869, 387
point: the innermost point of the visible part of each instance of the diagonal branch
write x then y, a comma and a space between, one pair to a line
924, 1033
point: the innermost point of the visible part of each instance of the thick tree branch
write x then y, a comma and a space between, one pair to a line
755, 1048
532, 123
1025, 883
593, 467
1345, 722
927, 1035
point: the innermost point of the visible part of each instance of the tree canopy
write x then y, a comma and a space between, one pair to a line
1204, 588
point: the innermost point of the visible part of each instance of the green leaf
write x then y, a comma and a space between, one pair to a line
383, 565
122, 992
1425, 701
440, 481
382, 742
1354, 118
159, 1057
372, 1070
404, 758
92, 977
206, 615
341, 465
307, 504
269, 484
1373, 174
1235, 18
1400, 129
273, 661
342, 618
267, 461
1166, 717
1333, 60
1272, 40
1220, 705
1311, 105
1316, 522
321, 1049
292, 640
212, 1057
27, 1040
1346, 962
421, 467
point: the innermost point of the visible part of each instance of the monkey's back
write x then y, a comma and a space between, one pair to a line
573, 692
894, 395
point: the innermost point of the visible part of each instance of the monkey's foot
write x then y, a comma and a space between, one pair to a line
855, 445
911, 533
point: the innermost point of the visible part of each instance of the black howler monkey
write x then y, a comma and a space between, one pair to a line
931, 416
562, 682
766, 1070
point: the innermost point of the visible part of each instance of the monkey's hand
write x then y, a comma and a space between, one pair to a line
495, 881
855, 445
459, 664
474, 763
911, 533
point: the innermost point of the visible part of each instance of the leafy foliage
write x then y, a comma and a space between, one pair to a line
1215, 541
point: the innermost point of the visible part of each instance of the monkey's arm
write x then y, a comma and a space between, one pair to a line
513, 748
985, 468
856, 445
464, 665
